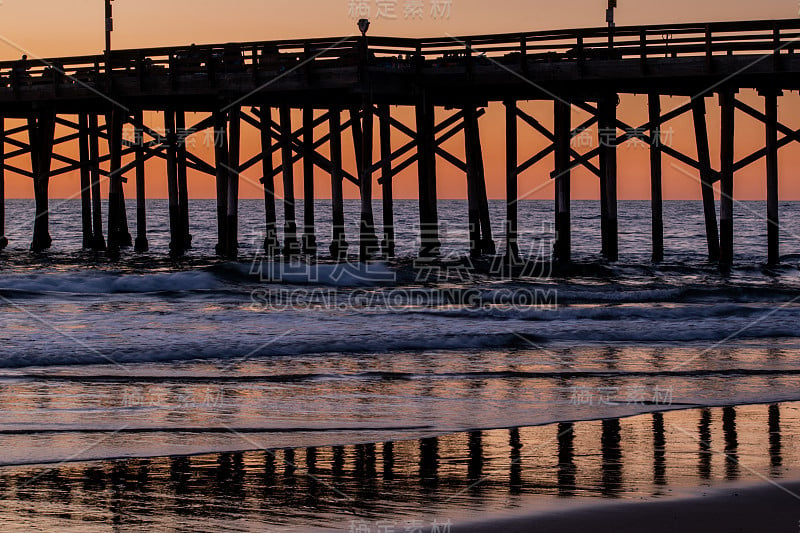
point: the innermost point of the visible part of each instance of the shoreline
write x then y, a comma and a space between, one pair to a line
409, 435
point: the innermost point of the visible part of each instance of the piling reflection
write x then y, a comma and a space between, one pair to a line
475, 465
612, 458
490, 468
429, 462
566, 459
515, 461
659, 451
731, 443
775, 456
704, 437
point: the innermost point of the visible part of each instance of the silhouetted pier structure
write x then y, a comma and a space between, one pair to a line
343, 85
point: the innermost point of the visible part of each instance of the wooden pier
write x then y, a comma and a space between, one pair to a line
344, 85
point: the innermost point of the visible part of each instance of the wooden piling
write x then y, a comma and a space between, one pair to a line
477, 177
86, 180
175, 227
773, 220
607, 110
291, 247
368, 242
562, 114
656, 194
99, 242
472, 184
141, 244
727, 144
41, 130
426, 168
487, 241
309, 233
3, 238
116, 239
512, 188
706, 180
271, 244
387, 181
339, 244
221, 159
232, 226
183, 181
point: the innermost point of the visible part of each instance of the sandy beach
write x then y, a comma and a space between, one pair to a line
756, 508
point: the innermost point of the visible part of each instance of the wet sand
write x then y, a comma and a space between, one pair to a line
762, 508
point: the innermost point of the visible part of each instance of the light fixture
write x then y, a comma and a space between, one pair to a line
363, 26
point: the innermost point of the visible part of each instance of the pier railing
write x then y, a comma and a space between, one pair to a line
261, 58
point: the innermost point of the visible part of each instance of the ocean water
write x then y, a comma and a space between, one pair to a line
149, 357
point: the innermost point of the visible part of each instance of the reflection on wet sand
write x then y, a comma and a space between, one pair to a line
475, 470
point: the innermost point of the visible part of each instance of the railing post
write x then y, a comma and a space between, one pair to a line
776, 46
469, 65
173, 74
524, 54
643, 50
709, 49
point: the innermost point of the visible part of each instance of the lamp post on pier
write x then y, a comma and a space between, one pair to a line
612, 4
109, 27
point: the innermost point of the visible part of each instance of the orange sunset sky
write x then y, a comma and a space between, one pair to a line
44, 28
